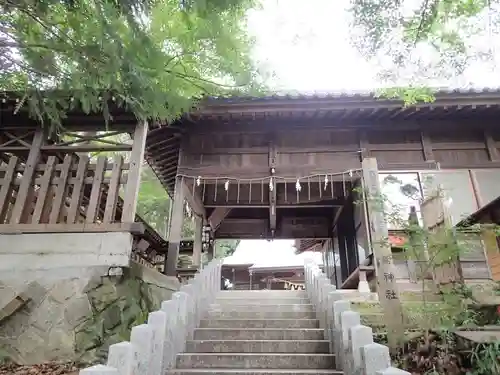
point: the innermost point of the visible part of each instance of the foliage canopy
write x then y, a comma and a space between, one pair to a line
152, 56
425, 40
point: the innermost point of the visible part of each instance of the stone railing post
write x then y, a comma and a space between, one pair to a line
352, 342
154, 346
100, 370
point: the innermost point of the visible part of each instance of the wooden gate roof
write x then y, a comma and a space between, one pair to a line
358, 108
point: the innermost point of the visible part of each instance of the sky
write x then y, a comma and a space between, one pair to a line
306, 44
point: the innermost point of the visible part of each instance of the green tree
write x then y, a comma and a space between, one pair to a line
153, 203
153, 57
419, 44
225, 248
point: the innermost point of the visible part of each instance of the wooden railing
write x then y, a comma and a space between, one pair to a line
76, 192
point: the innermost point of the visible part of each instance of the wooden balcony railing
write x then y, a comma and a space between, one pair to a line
77, 194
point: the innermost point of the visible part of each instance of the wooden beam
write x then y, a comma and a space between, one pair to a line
134, 173
291, 205
217, 217
134, 228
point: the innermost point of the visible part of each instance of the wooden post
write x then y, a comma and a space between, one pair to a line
198, 228
344, 266
134, 173
350, 236
18, 212
175, 231
384, 267
272, 193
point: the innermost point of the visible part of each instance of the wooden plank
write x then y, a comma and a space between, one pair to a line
61, 190
134, 228
387, 288
26, 184
114, 186
427, 146
134, 174
44, 188
6, 190
76, 195
491, 146
95, 193
175, 231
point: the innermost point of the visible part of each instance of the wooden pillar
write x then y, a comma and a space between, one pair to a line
349, 228
324, 254
197, 246
272, 193
384, 266
175, 230
344, 265
335, 276
134, 173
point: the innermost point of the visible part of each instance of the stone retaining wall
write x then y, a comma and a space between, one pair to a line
355, 351
78, 318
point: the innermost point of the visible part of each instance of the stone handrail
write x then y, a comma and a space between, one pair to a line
153, 347
350, 341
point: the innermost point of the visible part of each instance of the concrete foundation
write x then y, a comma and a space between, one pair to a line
38, 252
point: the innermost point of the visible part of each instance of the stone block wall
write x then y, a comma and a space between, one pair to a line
78, 318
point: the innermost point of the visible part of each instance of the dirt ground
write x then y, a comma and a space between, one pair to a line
42, 369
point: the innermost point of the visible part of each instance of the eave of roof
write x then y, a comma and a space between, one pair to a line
343, 100
364, 107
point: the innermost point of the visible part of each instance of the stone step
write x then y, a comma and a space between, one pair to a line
258, 346
259, 323
242, 314
225, 371
263, 301
251, 307
258, 334
263, 294
256, 360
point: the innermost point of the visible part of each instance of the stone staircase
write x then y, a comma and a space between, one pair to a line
258, 332
203, 330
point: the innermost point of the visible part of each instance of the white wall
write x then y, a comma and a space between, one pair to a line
488, 184
457, 189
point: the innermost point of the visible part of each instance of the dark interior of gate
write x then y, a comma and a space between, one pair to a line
289, 167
